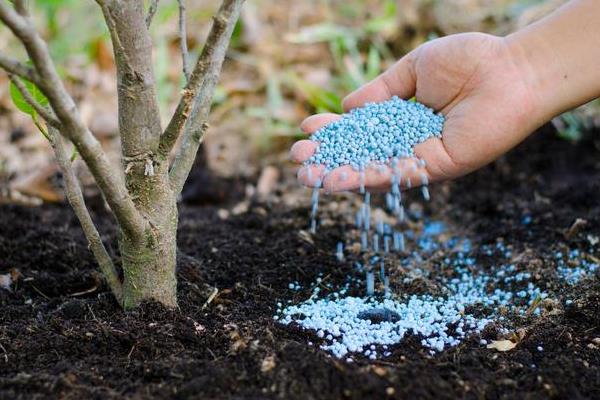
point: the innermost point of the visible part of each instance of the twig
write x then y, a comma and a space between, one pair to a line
5, 353
84, 292
109, 181
40, 292
185, 56
75, 198
534, 305
151, 12
15, 67
129, 355
211, 297
74, 194
44, 112
218, 37
200, 91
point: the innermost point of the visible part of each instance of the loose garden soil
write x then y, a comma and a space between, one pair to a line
63, 336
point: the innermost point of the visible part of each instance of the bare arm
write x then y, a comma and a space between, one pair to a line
561, 57
494, 92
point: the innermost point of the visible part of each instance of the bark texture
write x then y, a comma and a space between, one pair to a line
149, 262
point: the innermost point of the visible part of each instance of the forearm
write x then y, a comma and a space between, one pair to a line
560, 56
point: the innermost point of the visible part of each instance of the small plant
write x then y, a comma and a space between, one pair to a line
142, 193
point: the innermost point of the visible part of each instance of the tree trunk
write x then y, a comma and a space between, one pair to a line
148, 257
149, 267
149, 261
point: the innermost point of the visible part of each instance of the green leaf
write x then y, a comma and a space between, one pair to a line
20, 102
236, 35
321, 99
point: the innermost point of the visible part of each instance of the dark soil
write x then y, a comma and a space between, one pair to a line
63, 336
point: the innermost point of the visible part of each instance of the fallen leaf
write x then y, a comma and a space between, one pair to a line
238, 342
267, 364
41, 184
502, 345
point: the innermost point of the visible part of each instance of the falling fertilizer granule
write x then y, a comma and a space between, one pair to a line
365, 318
468, 297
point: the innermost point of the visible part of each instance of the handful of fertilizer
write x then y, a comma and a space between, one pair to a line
375, 133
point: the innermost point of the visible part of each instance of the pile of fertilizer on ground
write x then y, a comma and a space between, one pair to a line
376, 133
469, 298
464, 298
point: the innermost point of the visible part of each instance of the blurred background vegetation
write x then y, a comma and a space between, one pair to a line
288, 59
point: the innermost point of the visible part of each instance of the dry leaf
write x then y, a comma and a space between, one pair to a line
40, 183
268, 364
502, 345
238, 341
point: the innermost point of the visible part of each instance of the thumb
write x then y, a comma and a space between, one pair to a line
399, 80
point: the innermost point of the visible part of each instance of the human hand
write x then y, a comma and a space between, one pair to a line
475, 80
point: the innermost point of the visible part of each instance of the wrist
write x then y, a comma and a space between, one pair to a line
538, 66
558, 58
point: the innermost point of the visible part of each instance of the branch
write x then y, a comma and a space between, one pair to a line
21, 7
185, 56
109, 181
197, 94
42, 111
17, 68
151, 11
75, 198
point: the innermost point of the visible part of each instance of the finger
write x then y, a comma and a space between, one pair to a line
342, 179
315, 122
399, 80
302, 150
439, 164
407, 173
378, 177
346, 178
311, 175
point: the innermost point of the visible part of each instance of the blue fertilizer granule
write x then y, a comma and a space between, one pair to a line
357, 323
469, 297
573, 268
376, 133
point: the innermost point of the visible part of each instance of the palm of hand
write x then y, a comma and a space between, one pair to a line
472, 79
